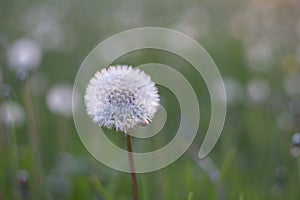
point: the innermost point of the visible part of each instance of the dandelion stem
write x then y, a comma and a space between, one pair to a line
34, 137
298, 165
132, 169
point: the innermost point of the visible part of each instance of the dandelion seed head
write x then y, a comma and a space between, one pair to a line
296, 139
258, 90
23, 55
121, 98
59, 99
295, 149
23, 176
291, 84
11, 113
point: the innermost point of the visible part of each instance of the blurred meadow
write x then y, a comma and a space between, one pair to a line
256, 46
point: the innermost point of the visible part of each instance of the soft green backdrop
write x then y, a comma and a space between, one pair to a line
255, 44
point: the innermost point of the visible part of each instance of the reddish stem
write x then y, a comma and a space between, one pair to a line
132, 169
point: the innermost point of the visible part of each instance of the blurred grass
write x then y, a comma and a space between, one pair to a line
252, 146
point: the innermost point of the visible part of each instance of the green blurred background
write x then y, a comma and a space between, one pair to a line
255, 44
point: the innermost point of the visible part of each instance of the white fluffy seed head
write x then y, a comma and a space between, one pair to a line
24, 55
121, 98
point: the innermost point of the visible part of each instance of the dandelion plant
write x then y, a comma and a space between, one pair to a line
121, 98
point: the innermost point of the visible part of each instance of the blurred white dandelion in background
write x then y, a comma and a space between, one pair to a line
285, 121
296, 139
121, 17
265, 30
253, 20
195, 23
59, 99
291, 84
259, 56
53, 35
6, 90
50, 34
44, 23
42, 12
234, 91
295, 149
12, 113
258, 90
24, 55
59, 184
23, 177
121, 97
294, 106
66, 163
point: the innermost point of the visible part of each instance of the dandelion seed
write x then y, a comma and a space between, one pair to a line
121, 98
